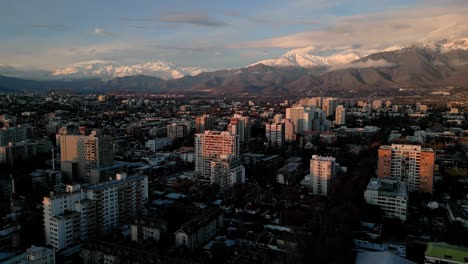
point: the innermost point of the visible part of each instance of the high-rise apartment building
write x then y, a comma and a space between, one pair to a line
226, 172
87, 152
306, 118
210, 146
409, 163
275, 133
13, 134
390, 194
11, 153
82, 213
178, 129
329, 105
340, 115
240, 125
322, 172
289, 131
204, 122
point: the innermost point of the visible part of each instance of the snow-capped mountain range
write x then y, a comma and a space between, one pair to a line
303, 57
109, 69
104, 69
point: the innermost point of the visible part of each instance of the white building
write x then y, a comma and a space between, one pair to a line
210, 146
158, 143
340, 115
322, 172
227, 172
390, 195
81, 213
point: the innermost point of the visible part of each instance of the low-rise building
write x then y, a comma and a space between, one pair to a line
390, 194
143, 228
158, 143
200, 229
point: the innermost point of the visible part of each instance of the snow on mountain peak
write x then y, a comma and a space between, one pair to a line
110, 69
302, 58
445, 45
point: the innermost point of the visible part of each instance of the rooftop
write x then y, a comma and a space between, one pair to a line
114, 182
388, 185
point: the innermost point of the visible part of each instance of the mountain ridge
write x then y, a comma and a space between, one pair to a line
413, 66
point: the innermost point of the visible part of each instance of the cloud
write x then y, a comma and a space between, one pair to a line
194, 19
52, 27
365, 64
376, 31
191, 18
102, 32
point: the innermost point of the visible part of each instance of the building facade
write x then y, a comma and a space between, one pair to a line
340, 115
226, 172
409, 163
204, 122
13, 134
210, 146
275, 134
82, 213
322, 172
240, 125
390, 194
200, 229
86, 152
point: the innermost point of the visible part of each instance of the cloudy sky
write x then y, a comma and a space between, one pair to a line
214, 34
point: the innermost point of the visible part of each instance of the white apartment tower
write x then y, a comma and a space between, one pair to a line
322, 172
210, 146
81, 213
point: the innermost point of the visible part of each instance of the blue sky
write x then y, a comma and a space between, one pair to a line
213, 34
